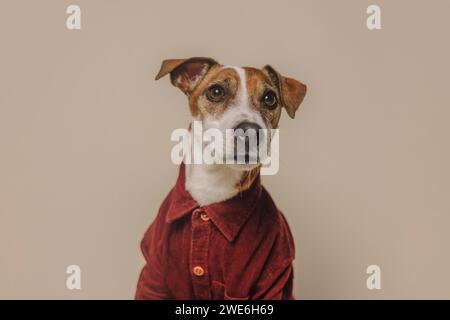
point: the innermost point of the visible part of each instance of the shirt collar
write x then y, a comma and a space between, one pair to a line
228, 216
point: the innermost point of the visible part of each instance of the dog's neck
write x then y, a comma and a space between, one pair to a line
214, 183
208, 184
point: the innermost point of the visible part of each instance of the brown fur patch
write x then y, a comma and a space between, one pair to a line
291, 91
201, 106
257, 84
247, 179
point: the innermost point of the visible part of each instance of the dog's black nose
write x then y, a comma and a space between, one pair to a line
248, 125
247, 130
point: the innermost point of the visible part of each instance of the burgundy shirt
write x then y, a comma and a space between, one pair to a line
240, 248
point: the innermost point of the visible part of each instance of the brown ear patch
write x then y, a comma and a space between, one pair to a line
185, 73
291, 91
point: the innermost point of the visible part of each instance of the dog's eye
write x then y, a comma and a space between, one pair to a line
215, 93
269, 99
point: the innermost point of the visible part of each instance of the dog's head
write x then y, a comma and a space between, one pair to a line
225, 97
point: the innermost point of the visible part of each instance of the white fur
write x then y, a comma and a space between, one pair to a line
217, 182
211, 183
241, 110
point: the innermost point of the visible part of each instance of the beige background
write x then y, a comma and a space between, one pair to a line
84, 138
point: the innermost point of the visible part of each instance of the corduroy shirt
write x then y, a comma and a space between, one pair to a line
240, 248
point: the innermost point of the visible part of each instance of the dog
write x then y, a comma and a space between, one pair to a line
218, 234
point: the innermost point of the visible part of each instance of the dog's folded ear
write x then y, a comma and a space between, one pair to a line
185, 73
290, 90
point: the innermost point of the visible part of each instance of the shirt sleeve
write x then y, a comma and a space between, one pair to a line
276, 284
151, 284
276, 279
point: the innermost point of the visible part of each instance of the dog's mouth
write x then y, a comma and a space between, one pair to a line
247, 144
246, 159
244, 152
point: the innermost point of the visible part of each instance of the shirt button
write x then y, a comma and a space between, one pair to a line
198, 271
204, 216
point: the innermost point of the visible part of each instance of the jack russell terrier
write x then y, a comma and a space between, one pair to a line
218, 234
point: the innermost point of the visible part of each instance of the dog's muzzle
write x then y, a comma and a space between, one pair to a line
248, 136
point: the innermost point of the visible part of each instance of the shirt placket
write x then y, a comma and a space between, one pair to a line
200, 241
